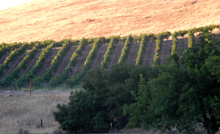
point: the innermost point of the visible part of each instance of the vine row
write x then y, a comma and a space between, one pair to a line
109, 50
89, 59
8, 79
33, 72
174, 42
59, 79
125, 49
190, 38
54, 64
141, 50
156, 60
13, 55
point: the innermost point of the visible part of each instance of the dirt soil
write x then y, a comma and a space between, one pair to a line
2, 59
48, 60
148, 55
61, 19
13, 65
99, 55
132, 54
182, 43
65, 60
81, 59
165, 50
115, 55
31, 62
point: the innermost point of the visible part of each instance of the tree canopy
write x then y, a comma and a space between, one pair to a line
183, 93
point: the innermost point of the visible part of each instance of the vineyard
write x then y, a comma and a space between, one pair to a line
64, 63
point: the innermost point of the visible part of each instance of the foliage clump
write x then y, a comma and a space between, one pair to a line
182, 93
98, 107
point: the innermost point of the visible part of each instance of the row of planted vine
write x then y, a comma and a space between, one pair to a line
59, 79
72, 81
17, 49
53, 65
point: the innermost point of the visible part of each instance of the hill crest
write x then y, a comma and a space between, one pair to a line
61, 19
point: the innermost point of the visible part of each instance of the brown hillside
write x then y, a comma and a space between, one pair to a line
59, 19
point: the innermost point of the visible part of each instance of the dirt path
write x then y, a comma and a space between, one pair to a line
132, 55
2, 59
48, 60
99, 55
31, 62
165, 51
115, 55
65, 60
13, 65
181, 44
148, 55
81, 59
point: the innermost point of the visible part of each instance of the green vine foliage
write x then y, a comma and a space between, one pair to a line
141, 50
54, 64
159, 41
13, 55
173, 48
73, 81
4, 50
109, 50
33, 72
125, 49
8, 79
59, 79
190, 38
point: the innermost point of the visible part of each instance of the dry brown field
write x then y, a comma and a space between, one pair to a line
61, 19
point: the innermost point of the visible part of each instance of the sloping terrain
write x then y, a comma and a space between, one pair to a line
61, 19
81, 59
2, 59
48, 61
14, 64
99, 56
181, 46
115, 55
132, 54
148, 55
65, 60
165, 50
31, 63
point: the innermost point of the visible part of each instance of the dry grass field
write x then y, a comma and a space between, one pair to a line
19, 110
60, 19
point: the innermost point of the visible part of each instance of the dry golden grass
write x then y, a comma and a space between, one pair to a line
29, 110
59, 19
19, 106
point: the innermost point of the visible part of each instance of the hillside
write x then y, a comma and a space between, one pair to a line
60, 19
53, 64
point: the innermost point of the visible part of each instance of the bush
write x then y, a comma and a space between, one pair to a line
100, 103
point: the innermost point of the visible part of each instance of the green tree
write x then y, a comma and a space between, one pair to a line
100, 103
185, 93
